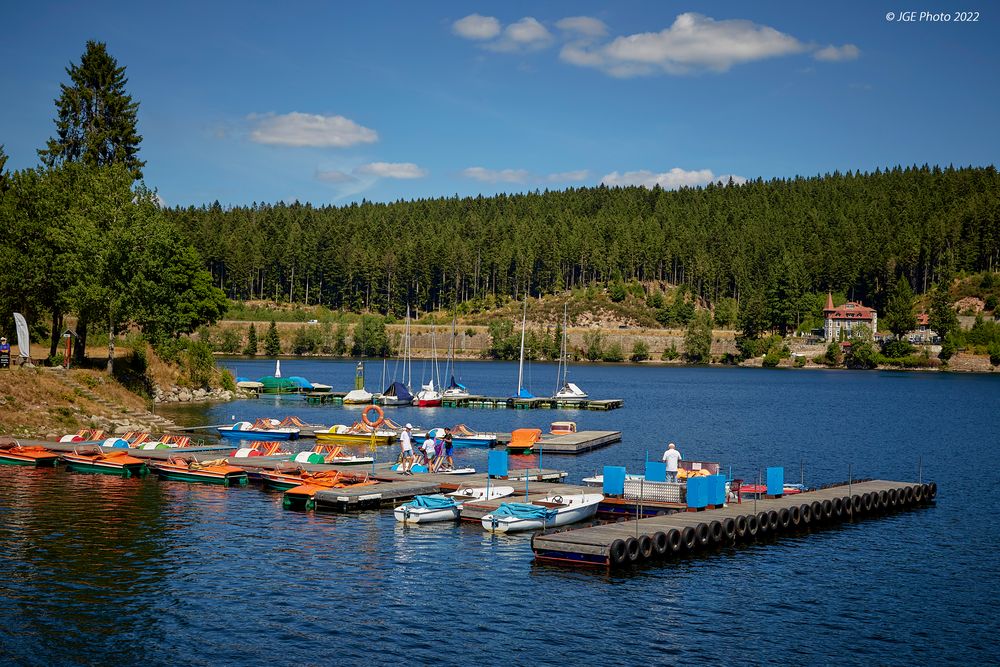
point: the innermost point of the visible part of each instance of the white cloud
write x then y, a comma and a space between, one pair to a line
668, 180
524, 35
334, 176
523, 175
583, 25
477, 27
496, 175
693, 43
838, 53
391, 170
302, 129
568, 176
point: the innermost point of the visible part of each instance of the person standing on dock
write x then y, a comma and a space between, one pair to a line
671, 457
428, 449
406, 450
449, 449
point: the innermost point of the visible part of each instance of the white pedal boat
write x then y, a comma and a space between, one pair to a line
440, 507
553, 510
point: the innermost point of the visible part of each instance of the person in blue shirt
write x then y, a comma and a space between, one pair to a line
4, 353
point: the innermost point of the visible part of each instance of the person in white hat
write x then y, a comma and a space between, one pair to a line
671, 457
406, 450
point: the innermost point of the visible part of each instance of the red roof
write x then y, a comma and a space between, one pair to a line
851, 311
923, 320
829, 302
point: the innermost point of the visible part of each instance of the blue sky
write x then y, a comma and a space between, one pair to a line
334, 102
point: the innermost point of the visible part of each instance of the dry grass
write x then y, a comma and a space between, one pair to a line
35, 402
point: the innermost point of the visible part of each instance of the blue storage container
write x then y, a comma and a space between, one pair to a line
656, 471
614, 480
497, 463
697, 492
716, 489
775, 481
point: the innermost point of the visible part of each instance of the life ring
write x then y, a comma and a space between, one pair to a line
369, 423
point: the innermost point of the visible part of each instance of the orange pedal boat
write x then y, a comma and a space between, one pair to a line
217, 471
115, 462
13, 452
303, 496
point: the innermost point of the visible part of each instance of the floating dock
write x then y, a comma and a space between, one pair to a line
493, 402
571, 443
579, 442
681, 533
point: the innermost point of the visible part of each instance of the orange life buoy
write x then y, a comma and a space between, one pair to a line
377, 422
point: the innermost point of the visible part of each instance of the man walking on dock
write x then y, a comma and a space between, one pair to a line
671, 457
406, 449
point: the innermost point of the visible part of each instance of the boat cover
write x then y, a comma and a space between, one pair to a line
432, 502
300, 382
455, 385
525, 511
399, 390
524, 393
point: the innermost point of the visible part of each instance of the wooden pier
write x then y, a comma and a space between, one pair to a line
683, 533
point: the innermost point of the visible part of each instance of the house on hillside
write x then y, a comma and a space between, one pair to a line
844, 318
923, 334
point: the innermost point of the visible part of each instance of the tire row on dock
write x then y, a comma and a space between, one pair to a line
688, 533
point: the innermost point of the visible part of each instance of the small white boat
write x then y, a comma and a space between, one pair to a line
570, 390
553, 510
428, 509
358, 397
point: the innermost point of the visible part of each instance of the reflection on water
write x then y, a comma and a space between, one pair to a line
100, 568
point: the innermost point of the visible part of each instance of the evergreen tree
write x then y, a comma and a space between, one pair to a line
272, 342
942, 318
899, 317
96, 122
698, 339
3, 174
251, 349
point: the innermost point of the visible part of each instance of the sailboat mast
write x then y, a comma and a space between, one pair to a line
520, 366
407, 361
565, 346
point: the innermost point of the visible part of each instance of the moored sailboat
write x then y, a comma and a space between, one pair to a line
567, 390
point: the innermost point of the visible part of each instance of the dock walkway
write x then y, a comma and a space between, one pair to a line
618, 544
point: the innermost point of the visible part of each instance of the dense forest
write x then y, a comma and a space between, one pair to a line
854, 233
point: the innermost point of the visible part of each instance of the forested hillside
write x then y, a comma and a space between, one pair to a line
853, 233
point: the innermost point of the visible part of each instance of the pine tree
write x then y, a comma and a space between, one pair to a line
272, 342
96, 122
942, 318
251, 349
3, 176
899, 317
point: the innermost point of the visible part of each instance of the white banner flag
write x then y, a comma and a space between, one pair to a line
23, 342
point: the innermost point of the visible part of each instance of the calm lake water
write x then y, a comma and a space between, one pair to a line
99, 569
